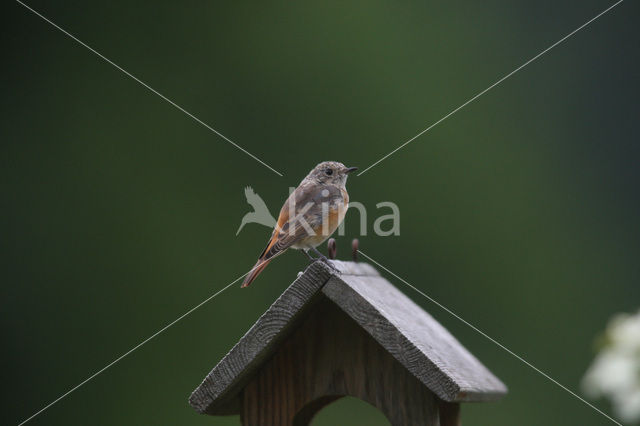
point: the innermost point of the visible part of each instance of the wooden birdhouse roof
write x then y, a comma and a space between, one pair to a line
423, 346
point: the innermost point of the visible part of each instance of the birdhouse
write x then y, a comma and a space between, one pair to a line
348, 333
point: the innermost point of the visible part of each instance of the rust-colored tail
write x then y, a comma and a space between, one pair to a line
255, 271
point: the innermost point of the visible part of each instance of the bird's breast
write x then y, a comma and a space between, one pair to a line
335, 215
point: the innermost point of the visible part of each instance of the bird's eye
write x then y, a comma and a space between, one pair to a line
329, 172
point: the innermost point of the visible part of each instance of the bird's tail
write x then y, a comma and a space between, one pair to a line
255, 271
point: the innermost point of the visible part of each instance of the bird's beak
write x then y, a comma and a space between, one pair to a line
350, 169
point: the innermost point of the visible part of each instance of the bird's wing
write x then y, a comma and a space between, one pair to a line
308, 199
289, 230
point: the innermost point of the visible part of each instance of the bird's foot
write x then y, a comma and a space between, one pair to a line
324, 259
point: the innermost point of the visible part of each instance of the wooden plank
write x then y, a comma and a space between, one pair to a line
329, 356
219, 392
449, 413
417, 340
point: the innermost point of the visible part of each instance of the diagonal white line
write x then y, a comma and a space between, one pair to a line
130, 351
150, 88
493, 85
493, 340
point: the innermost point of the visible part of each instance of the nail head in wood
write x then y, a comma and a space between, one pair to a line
354, 249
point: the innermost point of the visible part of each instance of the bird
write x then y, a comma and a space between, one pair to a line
260, 213
313, 211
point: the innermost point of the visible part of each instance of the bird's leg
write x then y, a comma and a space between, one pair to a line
306, 253
324, 259
320, 255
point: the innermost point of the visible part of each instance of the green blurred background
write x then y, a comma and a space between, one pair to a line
119, 212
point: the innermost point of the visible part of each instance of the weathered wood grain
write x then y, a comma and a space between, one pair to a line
449, 413
414, 338
329, 356
218, 393
409, 335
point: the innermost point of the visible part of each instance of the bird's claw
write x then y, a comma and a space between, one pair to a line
331, 265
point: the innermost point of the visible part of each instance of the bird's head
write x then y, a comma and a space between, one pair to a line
331, 173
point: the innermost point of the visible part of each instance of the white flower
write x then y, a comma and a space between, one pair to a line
628, 406
624, 331
615, 372
611, 372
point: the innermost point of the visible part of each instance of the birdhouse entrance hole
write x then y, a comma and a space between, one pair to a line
348, 410
350, 333
329, 356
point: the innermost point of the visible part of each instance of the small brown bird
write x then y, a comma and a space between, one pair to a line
313, 211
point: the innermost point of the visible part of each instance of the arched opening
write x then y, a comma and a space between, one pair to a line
333, 410
327, 357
